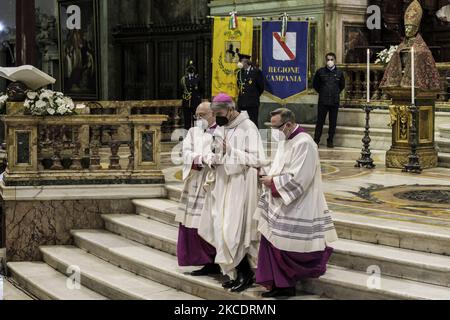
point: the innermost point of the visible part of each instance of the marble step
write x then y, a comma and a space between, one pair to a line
151, 263
387, 232
152, 233
444, 160
11, 292
159, 266
174, 191
45, 283
393, 233
350, 137
401, 263
341, 283
162, 210
107, 279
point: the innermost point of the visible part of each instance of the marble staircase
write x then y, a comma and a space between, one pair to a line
134, 258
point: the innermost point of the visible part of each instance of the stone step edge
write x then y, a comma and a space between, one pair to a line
89, 280
34, 289
346, 219
169, 275
347, 253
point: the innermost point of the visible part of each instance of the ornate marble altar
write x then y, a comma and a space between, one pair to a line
397, 83
62, 176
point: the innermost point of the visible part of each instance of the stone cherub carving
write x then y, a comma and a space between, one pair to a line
398, 71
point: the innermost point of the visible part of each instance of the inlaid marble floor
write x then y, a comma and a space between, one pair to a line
380, 192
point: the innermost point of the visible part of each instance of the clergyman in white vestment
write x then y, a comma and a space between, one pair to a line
192, 250
228, 225
293, 216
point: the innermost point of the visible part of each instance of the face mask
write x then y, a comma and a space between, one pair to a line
202, 124
330, 64
240, 65
223, 120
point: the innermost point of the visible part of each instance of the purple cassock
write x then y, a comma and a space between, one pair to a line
282, 269
192, 250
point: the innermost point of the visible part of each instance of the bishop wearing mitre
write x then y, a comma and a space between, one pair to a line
398, 71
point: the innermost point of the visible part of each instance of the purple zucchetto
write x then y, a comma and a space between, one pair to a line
222, 98
222, 101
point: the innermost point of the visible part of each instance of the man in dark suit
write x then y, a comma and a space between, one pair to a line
329, 82
250, 82
191, 85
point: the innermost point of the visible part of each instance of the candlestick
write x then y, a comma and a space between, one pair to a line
413, 89
368, 75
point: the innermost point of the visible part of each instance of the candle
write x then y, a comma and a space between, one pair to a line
368, 75
413, 89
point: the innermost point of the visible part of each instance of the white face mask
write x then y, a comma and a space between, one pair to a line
277, 135
330, 64
202, 124
240, 65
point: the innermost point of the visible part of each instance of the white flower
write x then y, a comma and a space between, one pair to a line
3, 99
31, 95
50, 111
26, 104
41, 105
81, 106
46, 95
59, 101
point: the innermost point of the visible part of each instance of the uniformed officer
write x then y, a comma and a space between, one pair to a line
191, 85
250, 82
329, 83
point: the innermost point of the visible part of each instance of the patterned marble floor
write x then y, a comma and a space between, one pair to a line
380, 192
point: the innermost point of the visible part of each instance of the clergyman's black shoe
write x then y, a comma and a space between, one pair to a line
330, 145
242, 283
206, 270
229, 284
280, 292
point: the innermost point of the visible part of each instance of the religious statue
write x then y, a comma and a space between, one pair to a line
397, 83
398, 71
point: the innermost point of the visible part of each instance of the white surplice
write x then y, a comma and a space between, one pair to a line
300, 220
196, 146
226, 222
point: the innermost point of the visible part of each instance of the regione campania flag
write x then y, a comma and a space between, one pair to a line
284, 50
285, 63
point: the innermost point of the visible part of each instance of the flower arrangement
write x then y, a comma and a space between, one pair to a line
3, 99
45, 102
385, 56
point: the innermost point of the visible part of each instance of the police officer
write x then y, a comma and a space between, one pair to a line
250, 82
329, 83
191, 85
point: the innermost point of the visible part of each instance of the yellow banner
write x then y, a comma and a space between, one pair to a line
227, 43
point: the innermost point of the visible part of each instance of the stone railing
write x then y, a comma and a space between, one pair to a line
356, 75
110, 143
